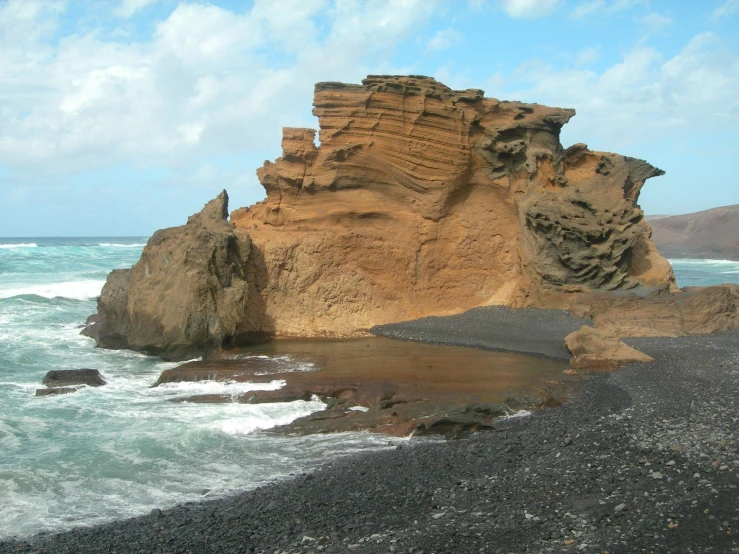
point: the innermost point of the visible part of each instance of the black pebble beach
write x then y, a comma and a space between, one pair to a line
645, 459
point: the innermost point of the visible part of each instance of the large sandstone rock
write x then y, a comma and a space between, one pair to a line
421, 200
186, 295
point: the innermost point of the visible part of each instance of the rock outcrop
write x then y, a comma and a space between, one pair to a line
186, 295
64, 381
420, 200
691, 311
594, 349
708, 234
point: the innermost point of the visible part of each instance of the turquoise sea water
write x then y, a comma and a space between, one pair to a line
122, 449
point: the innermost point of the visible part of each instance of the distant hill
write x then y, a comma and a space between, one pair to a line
709, 234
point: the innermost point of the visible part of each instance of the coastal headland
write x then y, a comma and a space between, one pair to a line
440, 216
420, 201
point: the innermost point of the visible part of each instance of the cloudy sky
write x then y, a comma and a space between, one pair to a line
121, 117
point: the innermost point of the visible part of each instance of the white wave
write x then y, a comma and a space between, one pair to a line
118, 245
266, 416
75, 290
701, 261
516, 414
232, 388
20, 245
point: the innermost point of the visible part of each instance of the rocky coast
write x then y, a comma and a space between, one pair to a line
644, 459
440, 216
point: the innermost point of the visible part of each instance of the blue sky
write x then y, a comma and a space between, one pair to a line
122, 117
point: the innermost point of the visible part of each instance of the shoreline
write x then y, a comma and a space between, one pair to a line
645, 459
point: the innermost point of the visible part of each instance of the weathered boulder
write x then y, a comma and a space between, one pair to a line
594, 349
64, 381
186, 295
420, 200
71, 377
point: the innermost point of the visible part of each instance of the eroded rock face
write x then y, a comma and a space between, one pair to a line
186, 295
421, 200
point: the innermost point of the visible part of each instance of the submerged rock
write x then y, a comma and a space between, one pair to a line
186, 295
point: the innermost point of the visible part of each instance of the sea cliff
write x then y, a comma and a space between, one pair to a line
419, 200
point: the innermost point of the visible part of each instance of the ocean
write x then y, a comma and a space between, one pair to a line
122, 449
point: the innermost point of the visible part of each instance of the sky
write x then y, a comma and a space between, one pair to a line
120, 117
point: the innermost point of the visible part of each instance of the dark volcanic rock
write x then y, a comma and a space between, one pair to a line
644, 460
186, 295
71, 377
69, 380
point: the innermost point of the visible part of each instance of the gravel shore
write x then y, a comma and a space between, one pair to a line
646, 459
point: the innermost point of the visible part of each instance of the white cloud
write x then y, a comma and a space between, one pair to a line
643, 97
524, 9
209, 82
590, 8
443, 39
726, 9
587, 56
655, 22
129, 7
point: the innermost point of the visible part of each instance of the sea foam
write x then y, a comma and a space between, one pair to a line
74, 290
21, 245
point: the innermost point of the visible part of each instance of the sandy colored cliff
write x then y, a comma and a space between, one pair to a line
421, 200
413, 200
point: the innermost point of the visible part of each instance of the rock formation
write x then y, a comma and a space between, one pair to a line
691, 311
709, 234
420, 200
594, 349
185, 296
64, 381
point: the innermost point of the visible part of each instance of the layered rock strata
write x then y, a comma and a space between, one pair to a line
420, 200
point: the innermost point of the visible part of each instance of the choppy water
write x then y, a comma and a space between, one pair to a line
123, 449
699, 273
